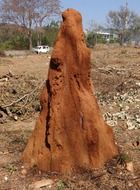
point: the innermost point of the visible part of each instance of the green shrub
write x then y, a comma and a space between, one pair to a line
2, 54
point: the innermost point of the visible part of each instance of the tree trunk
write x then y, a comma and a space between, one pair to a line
122, 36
38, 39
30, 39
70, 132
30, 32
39, 36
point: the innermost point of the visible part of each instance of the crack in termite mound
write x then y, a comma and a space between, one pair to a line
48, 115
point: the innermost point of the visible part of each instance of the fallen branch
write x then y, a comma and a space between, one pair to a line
129, 178
98, 176
23, 97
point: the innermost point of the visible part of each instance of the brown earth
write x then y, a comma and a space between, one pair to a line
116, 76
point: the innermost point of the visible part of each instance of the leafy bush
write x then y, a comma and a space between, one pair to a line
11, 38
91, 39
7, 45
2, 54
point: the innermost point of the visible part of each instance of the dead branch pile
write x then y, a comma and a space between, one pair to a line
19, 96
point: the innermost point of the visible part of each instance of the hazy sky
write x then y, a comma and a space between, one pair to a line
96, 10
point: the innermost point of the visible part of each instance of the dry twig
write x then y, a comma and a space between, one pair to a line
23, 97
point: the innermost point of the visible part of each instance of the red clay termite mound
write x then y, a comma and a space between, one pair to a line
70, 131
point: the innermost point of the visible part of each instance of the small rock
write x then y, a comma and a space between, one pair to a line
22, 167
130, 184
128, 117
138, 120
42, 183
138, 83
137, 126
126, 108
5, 178
115, 98
111, 170
120, 115
130, 125
130, 167
15, 118
23, 171
136, 116
121, 105
111, 123
130, 100
5, 79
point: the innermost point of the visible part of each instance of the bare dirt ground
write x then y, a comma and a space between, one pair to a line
116, 77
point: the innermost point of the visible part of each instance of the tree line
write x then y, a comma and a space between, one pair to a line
23, 21
26, 23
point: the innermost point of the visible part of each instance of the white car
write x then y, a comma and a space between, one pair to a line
41, 49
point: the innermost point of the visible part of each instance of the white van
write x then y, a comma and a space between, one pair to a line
41, 49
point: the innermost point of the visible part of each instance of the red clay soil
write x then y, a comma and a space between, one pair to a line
70, 132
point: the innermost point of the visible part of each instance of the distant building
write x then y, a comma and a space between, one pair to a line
107, 36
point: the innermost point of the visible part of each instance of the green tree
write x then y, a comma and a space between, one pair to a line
48, 34
28, 13
51, 32
12, 37
91, 39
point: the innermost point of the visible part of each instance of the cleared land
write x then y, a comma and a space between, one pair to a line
116, 77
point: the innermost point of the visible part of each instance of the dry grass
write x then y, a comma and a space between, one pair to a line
115, 72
